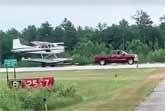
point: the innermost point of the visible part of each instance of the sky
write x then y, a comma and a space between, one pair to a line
21, 13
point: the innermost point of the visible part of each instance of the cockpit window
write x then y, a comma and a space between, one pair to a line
49, 46
44, 46
52, 45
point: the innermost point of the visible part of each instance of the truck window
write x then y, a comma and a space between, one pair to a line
118, 52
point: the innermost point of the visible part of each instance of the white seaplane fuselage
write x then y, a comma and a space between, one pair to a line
38, 48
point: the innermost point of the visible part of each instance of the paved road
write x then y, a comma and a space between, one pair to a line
156, 101
86, 67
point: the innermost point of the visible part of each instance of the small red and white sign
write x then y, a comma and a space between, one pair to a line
37, 82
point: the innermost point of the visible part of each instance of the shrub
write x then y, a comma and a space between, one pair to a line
27, 64
157, 56
32, 99
136, 46
87, 49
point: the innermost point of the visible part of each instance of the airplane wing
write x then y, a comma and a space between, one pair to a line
39, 43
46, 43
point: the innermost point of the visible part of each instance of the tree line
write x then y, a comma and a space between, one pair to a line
143, 38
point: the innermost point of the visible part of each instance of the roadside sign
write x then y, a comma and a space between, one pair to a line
37, 82
14, 83
10, 63
31, 82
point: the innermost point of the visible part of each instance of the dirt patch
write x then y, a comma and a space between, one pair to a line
157, 75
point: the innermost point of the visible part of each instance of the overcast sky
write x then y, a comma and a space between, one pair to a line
21, 13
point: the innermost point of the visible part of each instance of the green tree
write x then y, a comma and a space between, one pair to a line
30, 33
111, 35
58, 34
99, 32
1, 35
87, 33
117, 35
45, 32
142, 18
124, 31
162, 30
7, 42
70, 34
101, 26
144, 24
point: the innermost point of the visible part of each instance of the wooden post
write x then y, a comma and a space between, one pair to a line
14, 73
137, 65
7, 76
45, 104
46, 107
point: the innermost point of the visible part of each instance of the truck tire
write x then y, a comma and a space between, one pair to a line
130, 61
102, 62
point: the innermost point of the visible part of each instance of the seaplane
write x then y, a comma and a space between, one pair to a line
47, 51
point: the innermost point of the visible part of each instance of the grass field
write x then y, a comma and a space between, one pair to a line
104, 90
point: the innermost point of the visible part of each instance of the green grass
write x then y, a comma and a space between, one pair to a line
100, 89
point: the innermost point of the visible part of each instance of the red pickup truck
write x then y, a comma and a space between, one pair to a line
117, 56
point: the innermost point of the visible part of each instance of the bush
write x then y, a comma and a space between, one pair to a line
157, 56
32, 99
27, 64
78, 58
136, 46
86, 50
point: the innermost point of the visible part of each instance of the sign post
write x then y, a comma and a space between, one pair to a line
7, 76
10, 63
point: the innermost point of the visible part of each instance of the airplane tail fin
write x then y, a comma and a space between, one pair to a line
17, 44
